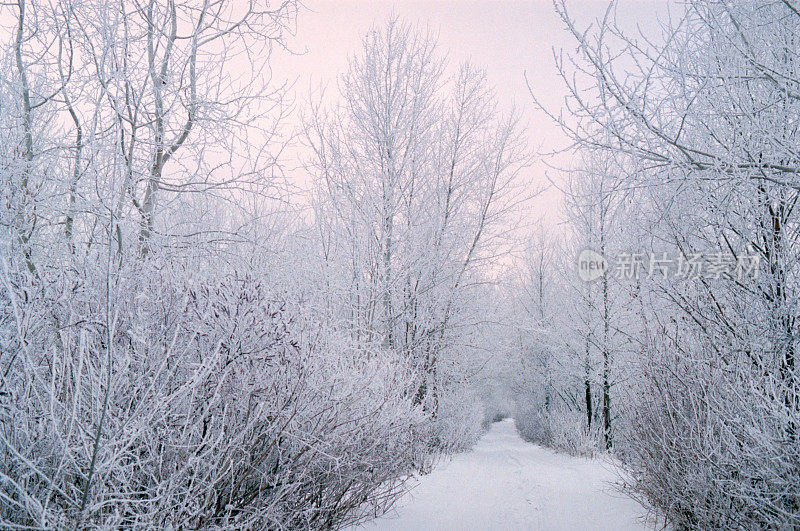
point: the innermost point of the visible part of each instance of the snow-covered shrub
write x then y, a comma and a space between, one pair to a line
532, 425
712, 425
152, 400
459, 420
708, 444
560, 428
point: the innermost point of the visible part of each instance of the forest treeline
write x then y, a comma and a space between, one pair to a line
184, 346
682, 358
189, 340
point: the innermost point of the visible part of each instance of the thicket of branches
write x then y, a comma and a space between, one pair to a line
178, 348
418, 186
687, 144
188, 401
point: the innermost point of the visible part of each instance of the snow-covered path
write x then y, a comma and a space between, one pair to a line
506, 483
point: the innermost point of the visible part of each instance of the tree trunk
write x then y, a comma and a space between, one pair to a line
607, 439
588, 391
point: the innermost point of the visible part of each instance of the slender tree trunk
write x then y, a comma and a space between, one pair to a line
76, 170
607, 437
388, 229
588, 390
27, 225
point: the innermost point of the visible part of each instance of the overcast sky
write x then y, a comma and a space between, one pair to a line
509, 38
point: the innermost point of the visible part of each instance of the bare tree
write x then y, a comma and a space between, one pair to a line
706, 117
418, 172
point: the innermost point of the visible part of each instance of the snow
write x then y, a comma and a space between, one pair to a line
507, 483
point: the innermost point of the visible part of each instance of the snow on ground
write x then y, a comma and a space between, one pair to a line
506, 483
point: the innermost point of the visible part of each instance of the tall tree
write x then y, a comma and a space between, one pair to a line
707, 116
417, 174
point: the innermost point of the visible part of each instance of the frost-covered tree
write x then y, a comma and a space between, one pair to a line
706, 116
417, 173
166, 355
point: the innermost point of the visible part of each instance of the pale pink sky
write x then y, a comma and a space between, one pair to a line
506, 37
